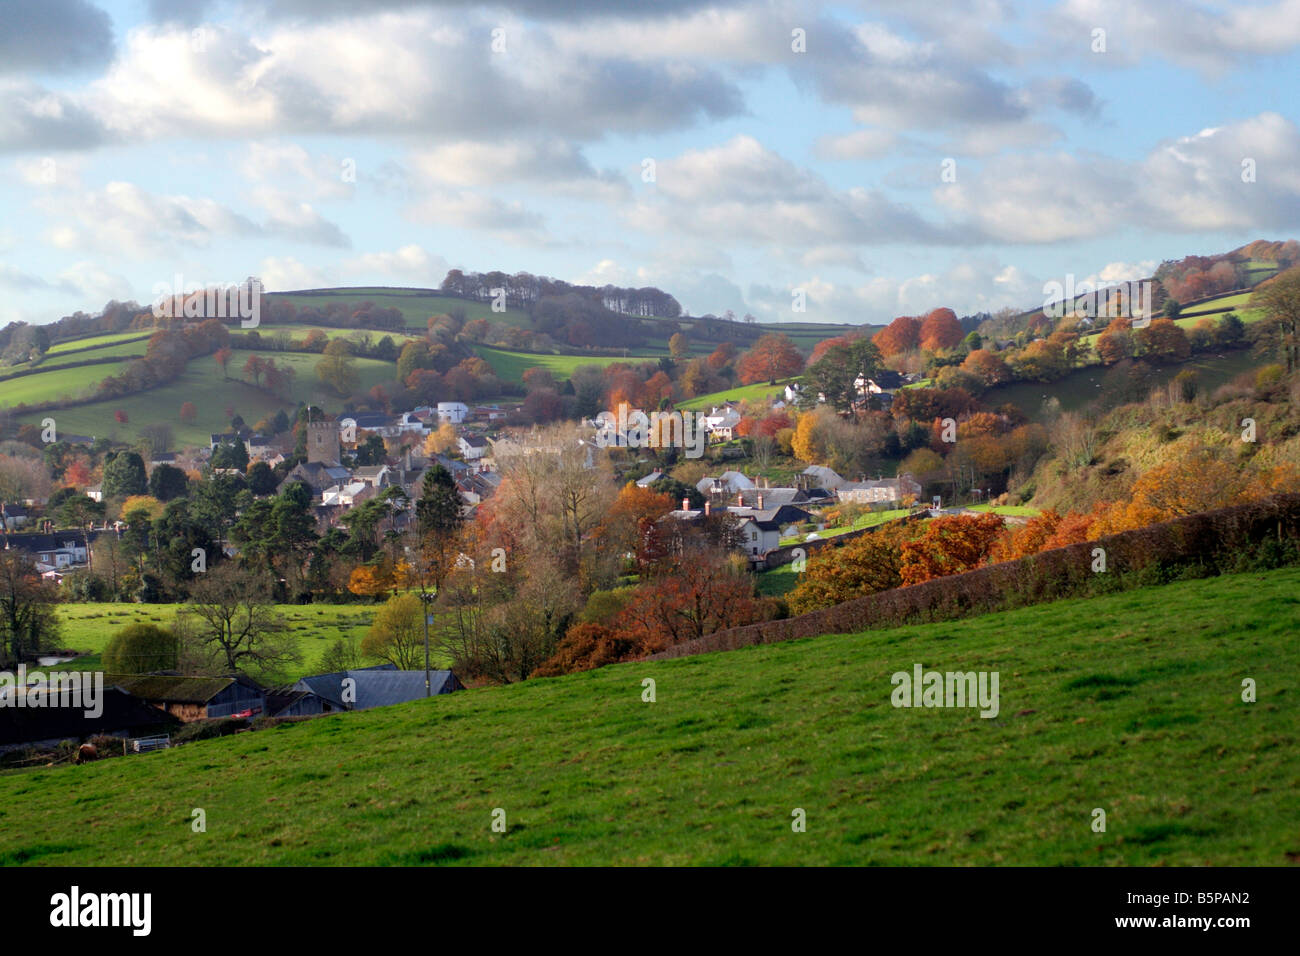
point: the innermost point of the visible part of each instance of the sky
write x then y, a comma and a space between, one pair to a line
867, 160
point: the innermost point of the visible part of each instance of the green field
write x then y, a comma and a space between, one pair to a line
510, 366
57, 384
805, 335
87, 628
94, 341
742, 393
203, 385
1129, 703
864, 521
416, 305
1017, 511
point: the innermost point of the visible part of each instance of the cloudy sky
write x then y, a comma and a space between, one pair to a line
885, 158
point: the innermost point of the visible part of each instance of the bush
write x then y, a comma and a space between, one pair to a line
140, 649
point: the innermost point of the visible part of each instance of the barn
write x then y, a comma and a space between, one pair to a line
195, 698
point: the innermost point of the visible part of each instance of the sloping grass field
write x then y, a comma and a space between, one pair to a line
1130, 703
510, 366
416, 305
202, 384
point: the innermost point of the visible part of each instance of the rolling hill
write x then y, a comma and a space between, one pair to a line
1130, 703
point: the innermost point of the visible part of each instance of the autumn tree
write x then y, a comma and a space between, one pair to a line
678, 347
950, 545
441, 440
901, 335
870, 563
337, 368
188, 413
987, 368
940, 330
1163, 341
222, 357
1280, 300
773, 357
397, 633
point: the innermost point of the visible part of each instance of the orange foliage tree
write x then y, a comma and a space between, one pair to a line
773, 357
901, 335
940, 330
950, 545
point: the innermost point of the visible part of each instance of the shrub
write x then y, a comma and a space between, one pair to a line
140, 649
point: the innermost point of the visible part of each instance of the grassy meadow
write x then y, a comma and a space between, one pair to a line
87, 628
1129, 702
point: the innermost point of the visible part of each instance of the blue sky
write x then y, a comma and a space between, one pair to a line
145, 140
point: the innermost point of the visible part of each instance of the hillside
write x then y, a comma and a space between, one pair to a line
1129, 702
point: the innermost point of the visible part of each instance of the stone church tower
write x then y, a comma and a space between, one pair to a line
323, 442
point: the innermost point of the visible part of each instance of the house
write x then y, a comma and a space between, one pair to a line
721, 422
363, 688
728, 483
352, 493
195, 698
454, 412
649, 479
95, 492
886, 380
258, 445
819, 476
41, 721
13, 516
63, 549
472, 447
882, 489
229, 438
316, 475
762, 498
760, 528
376, 476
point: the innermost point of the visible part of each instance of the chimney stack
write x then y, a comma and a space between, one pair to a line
740, 499
760, 502
706, 509
686, 504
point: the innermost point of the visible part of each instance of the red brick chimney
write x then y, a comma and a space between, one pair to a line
760, 502
706, 509
686, 504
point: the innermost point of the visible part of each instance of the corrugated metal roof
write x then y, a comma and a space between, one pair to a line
377, 688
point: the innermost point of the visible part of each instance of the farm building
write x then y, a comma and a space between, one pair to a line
370, 687
122, 716
195, 698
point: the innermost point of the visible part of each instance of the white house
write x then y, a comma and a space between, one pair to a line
472, 447
346, 495
453, 412
721, 423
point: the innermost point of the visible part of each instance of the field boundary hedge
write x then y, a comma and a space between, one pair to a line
1209, 542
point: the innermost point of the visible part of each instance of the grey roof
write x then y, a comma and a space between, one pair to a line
826, 477
377, 687
772, 497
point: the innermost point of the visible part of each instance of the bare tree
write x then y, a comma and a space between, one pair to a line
233, 617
